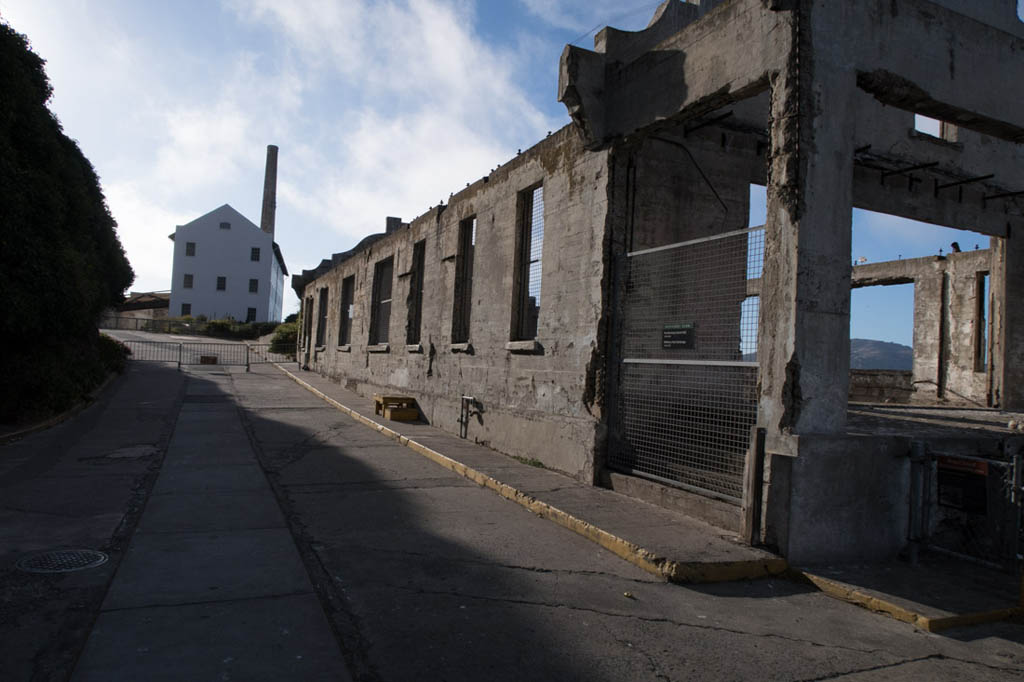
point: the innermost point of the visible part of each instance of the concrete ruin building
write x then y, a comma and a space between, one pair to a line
602, 302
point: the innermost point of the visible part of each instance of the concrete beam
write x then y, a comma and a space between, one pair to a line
922, 57
917, 201
723, 58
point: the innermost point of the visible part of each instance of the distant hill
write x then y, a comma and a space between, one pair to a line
871, 354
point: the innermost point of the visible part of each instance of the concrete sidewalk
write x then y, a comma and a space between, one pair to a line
934, 595
212, 585
663, 542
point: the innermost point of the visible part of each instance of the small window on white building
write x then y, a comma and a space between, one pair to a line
190, 248
186, 309
225, 226
188, 280
254, 286
250, 315
254, 255
222, 283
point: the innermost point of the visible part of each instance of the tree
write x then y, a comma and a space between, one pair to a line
61, 262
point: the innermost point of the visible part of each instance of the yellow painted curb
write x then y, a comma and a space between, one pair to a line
673, 571
848, 594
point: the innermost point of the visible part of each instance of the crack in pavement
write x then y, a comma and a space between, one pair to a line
646, 619
908, 661
651, 661
491, 564
369, 486
205, 602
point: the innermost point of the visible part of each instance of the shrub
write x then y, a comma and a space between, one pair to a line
113, 353
284, 338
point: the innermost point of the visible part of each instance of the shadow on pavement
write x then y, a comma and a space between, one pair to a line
80, 484
389, 539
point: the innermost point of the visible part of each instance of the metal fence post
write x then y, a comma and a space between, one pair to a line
246, 357
179, 356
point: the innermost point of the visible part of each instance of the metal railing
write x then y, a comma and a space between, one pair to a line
223, 354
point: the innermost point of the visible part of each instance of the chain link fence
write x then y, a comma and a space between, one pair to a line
687, 389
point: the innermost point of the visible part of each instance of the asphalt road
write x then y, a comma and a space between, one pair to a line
412, 571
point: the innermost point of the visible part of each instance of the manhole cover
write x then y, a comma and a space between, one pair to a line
62, 561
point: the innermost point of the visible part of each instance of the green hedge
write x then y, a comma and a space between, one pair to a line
61, 263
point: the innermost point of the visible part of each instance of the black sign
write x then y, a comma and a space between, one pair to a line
682, 335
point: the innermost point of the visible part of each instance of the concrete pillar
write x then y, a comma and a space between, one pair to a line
1007, 281
804, 339
928, 336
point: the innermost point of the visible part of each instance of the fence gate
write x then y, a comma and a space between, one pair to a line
687, 377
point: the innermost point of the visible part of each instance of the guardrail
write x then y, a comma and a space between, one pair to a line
224, 354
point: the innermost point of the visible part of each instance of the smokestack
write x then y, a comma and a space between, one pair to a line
269, 191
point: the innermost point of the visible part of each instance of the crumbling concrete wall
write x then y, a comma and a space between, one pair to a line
949, 324
531, 401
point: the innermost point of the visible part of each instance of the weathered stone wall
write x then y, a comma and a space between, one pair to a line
531, 404
881, 385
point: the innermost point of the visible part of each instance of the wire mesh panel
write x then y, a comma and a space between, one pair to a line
687, 392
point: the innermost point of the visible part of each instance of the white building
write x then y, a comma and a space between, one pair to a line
226, 266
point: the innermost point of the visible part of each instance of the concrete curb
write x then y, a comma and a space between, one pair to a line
844, 592
668, 569
85, 402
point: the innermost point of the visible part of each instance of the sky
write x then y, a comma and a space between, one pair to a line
379, 107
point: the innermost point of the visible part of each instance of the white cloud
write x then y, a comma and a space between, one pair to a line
591, 15
379, 108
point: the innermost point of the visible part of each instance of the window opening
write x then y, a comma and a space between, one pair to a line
981, 322
380, 314
935, 128
186, 309
321, 318
254, 254
188, 281
222, 283
758, 207
882, 327
530, 247
307, 322
254, 286
415, 300
190, 248
250, 315
927, 125
225, 226
348, 286
463, 295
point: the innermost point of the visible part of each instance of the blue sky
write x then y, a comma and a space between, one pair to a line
379, 108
